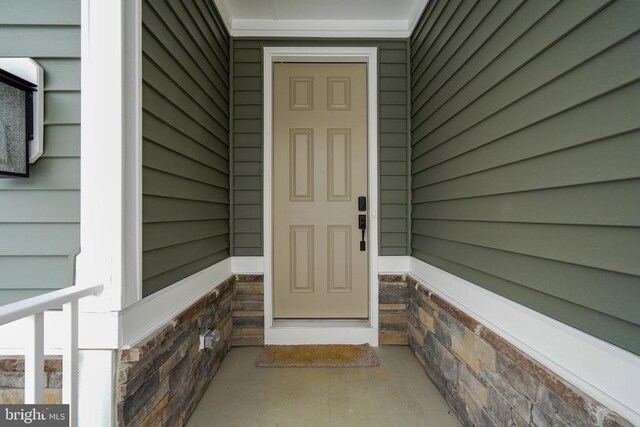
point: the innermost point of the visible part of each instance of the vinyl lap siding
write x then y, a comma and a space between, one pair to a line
247, 141
526, 154
40, 215
185, 70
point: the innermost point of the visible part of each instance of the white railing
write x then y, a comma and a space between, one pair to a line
33, 309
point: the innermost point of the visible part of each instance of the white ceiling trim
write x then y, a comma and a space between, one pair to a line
420, 6
322, 34
319, 28
397, 28
224, 13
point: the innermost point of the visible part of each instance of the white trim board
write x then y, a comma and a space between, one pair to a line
255, 264
132, 192
369, 56
247, 265
609, 374
300, 335
393, 264
319, 28
147, 315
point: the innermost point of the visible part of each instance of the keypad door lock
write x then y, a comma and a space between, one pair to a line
362, 203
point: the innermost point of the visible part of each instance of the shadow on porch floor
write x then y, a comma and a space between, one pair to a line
397, 393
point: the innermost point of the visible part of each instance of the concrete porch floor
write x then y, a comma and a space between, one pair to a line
397, 393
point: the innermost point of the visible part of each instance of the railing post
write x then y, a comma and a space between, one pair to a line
34, 362
70, 361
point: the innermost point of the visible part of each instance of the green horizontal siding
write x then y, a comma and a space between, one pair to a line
525, 178
247, 140
185, 152
40, 215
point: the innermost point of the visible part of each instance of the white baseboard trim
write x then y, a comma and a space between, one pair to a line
144, 317
607, 373
285, 335
247, 265
393, 264
255, 264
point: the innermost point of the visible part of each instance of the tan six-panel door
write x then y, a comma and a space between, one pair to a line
319, 170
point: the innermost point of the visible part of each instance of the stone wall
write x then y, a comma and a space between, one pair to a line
248, 311
161, 380
12, 380
486, 380
393, 298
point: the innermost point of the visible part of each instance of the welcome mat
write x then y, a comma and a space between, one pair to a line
317, 356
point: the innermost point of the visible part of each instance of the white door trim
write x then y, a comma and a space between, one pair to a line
319, 334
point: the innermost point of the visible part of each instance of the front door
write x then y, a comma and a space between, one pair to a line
320, 269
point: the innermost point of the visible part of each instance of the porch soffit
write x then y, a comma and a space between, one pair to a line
329, 18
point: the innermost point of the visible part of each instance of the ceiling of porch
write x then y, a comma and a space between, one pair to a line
325, 18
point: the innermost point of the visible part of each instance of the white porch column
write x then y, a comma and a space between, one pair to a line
110, 220
110, 157
96, 371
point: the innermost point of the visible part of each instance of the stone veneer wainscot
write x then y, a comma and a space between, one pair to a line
161, 380
486, 380
12, 380
393, 300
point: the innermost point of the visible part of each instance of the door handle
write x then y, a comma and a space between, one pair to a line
362, 225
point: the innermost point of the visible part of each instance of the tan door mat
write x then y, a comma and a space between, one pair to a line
317, 356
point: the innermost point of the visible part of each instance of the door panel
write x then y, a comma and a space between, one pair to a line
339, 258
339, 167
319, 170
301, 165
301, 258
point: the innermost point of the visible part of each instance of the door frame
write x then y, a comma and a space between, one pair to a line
320, 331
